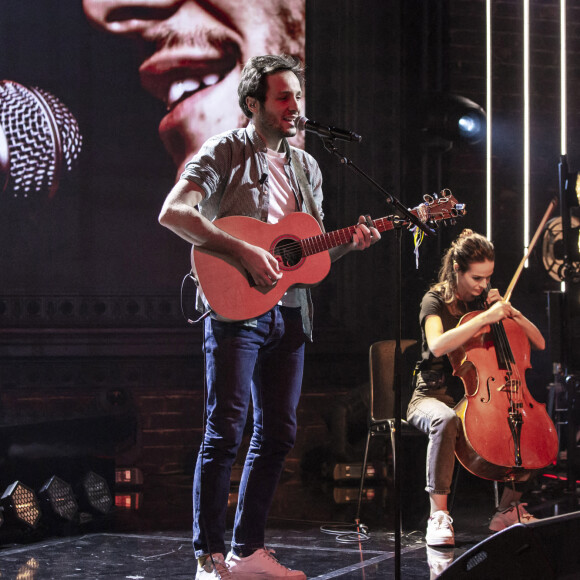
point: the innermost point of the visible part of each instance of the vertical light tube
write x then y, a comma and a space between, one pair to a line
488, 145
526, 96
563, 92
563, 81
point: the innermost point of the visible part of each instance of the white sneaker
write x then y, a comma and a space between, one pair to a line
261, 564
440, 530
509, 517
211, 570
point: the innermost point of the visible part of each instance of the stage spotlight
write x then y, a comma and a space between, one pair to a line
569, 224
553, 249
97, 495
21, 504
470, 127
128, 476
131, 500
58, 499
449, 118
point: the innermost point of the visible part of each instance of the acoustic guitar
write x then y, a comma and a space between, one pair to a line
301, 249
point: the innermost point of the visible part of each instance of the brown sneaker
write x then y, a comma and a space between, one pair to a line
506, 518
261, 564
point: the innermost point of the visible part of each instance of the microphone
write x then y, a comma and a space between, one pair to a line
305, 124
39, 140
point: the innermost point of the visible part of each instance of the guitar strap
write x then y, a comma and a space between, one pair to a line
306, 191
310, 207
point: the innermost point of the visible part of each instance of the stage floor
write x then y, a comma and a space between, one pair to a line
154, 540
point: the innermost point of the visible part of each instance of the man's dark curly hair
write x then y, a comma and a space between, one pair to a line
255, 73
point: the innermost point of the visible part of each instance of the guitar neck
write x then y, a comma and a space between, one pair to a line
322, 242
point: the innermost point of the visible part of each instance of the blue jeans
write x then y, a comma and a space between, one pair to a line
263, 362
431, 411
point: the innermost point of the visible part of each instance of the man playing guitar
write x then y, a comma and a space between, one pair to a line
251, 172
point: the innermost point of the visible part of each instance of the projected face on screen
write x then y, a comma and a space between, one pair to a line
193, 53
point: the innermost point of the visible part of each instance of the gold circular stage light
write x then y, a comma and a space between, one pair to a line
553, 247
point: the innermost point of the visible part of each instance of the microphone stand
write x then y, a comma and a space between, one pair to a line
569, 273
329, 146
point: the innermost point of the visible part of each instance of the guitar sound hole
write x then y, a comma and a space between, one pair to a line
288, 252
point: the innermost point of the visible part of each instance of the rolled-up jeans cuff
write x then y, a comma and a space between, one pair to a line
437, 491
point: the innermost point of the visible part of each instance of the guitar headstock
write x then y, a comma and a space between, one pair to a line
437, 208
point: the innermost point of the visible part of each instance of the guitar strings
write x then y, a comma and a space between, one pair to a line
298, 248
312, 245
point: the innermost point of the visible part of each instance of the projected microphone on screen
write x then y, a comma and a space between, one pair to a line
39, 141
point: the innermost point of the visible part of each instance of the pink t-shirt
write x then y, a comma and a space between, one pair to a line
282, 202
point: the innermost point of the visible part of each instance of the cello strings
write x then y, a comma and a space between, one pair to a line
506, 357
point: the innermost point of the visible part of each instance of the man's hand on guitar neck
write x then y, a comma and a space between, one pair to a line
365, 235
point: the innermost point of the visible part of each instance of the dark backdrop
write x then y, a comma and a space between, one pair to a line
89, 282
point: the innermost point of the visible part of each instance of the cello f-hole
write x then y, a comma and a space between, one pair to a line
490, 379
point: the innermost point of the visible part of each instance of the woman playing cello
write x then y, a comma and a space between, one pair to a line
466, 269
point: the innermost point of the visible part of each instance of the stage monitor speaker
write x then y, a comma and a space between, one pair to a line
546, 549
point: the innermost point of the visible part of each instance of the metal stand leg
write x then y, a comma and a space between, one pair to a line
362, 478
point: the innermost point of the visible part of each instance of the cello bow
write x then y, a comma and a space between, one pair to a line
516, 276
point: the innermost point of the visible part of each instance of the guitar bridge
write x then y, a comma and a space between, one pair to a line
250, 279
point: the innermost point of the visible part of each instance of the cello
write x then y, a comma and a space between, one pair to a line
506, 435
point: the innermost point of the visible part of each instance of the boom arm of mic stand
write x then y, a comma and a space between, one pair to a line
330, 147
